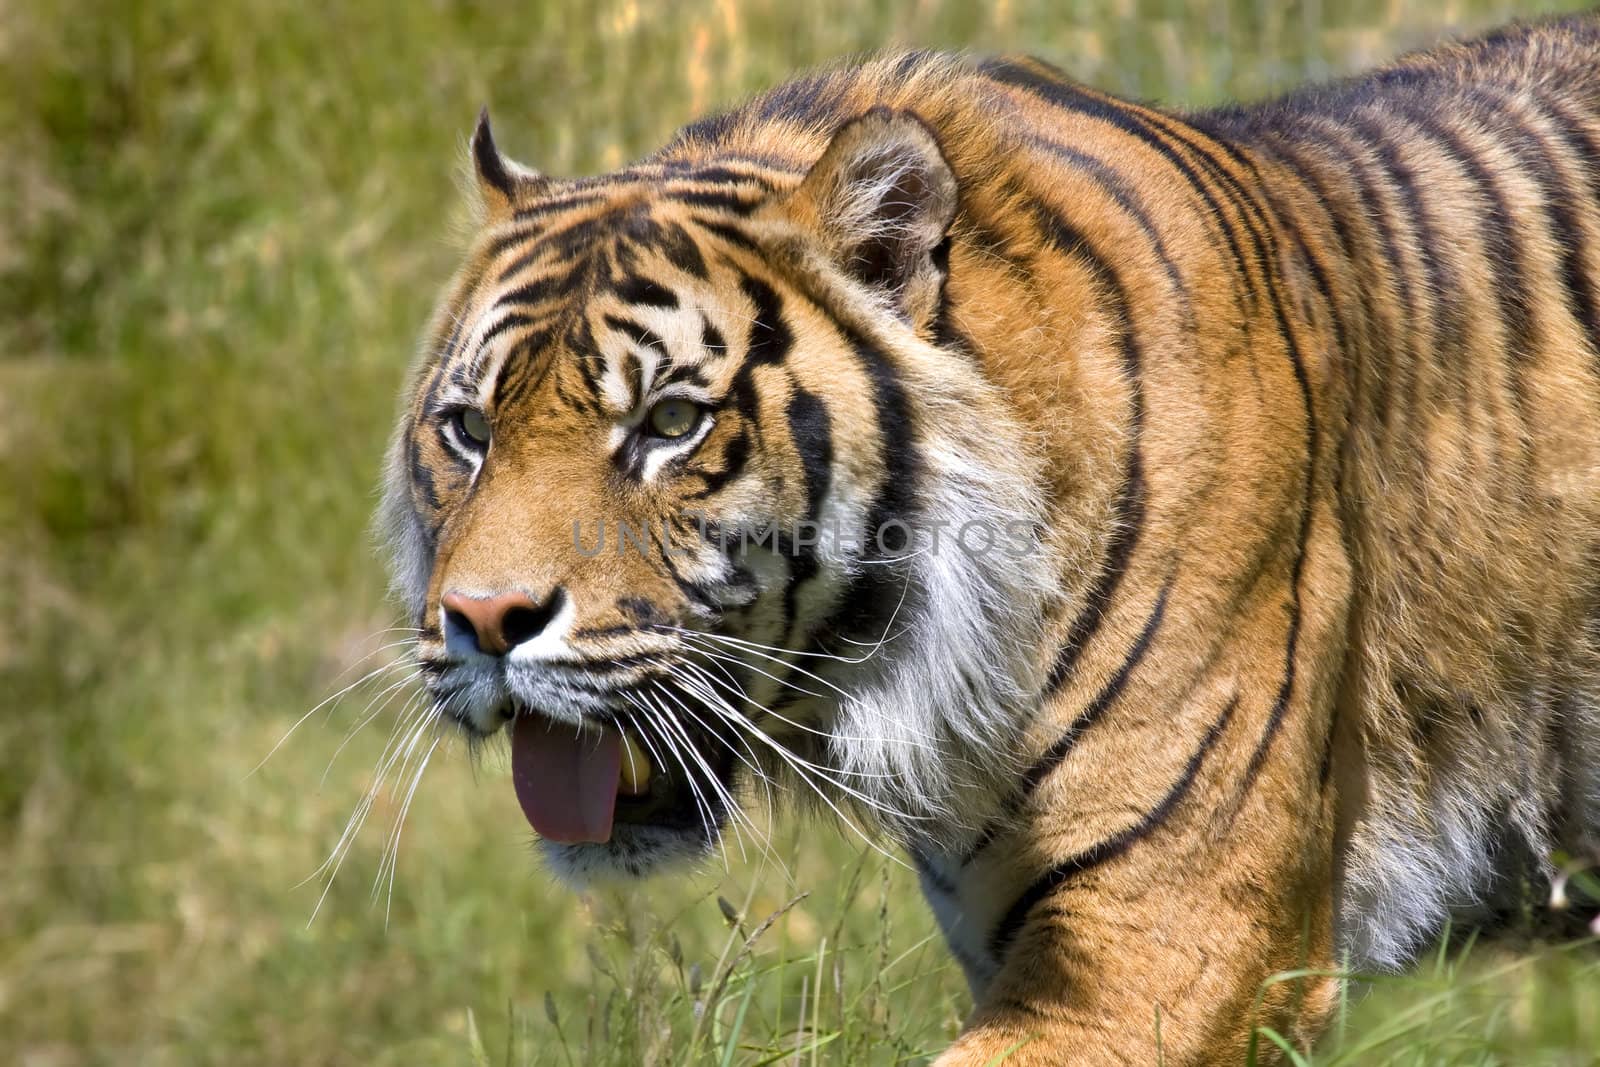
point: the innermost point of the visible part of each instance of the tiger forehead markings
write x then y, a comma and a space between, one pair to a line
1175, 531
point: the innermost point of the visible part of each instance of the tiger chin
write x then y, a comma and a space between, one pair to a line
1176, 531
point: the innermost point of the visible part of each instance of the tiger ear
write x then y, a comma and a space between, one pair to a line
882, 196
500, 180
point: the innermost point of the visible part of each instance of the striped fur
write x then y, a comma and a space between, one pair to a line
1298, 401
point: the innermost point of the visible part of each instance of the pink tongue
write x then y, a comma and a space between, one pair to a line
566, 781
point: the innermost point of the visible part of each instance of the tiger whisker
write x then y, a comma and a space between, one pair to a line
367, 716
760, 775
414, 734
670, 721
803, 727
414, 738
399, 826
695, 791
324, 702
785, 683
797, 762
744, 643
417, 712
726, 710
413, 705
799, 766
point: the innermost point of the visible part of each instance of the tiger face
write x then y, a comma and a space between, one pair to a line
662, 518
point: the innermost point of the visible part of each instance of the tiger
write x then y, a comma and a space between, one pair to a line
1175, 532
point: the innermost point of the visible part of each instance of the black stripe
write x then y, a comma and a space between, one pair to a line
1319, 275
735, 457
586, 356
1110, 848
1269, 257
421, 474
682, 252
717, 199
770, 338
640, 290
811, 430
1091, 714
1280, 703
1503, 257
1129, 513
693, 591
1373, 207
1448, 311
1264, 246
1128, 522
689, 171
813, 99
574, 400
1562, 215
1286, 154
1115, 113
521, 234
866, 603
546, 208
556, 285
637, 332
769, 342
711, 338
504, 323
742, 391
1578, 132
1584, 149
1504, 254
522, 371
1325, 764
728, 232
560, 244
683, 372
1057, 752
448, 449
1116, 187
445, 360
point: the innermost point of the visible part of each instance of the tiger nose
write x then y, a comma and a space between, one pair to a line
497, 624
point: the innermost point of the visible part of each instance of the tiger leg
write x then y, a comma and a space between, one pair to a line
1179, 862
1170, 960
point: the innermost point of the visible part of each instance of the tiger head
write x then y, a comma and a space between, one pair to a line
695, 494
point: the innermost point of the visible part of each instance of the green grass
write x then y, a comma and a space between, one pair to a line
221, 228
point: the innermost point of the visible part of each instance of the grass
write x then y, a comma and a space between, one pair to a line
221, 227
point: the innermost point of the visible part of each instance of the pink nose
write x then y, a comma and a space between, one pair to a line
497, 624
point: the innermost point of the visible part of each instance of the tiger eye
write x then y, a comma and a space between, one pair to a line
673, 418
474, 426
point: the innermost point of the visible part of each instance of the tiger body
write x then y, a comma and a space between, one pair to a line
1298, 401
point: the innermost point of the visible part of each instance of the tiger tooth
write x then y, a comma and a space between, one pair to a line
634, 776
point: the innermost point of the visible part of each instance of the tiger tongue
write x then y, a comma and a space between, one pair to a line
566, 781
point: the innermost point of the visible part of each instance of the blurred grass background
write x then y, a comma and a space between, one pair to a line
221, 228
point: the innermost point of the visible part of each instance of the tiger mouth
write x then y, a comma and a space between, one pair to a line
579, 785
